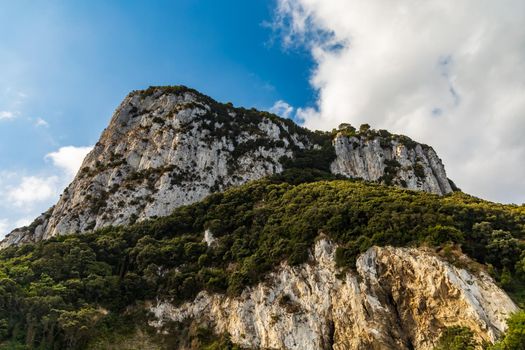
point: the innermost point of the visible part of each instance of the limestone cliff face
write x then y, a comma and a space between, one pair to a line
167, 147
399, 298
409, 165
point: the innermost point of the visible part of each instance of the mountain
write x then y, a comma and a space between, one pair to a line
171, 146
196, 225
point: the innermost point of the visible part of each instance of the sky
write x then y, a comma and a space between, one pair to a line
446, 73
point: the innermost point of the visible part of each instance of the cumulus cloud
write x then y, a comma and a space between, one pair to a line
32, 190
26, 221
23, 197
447, 73
69, 159
282, 109
4, 226
41, 122
4, 115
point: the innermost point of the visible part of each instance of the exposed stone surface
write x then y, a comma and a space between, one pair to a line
31, 233
400, 298
167, 147
418, 166
209, 238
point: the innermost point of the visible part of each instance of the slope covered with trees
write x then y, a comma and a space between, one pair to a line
81, 290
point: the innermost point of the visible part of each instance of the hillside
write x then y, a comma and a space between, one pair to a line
87, 290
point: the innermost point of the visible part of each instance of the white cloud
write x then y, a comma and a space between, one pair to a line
447, 73
4, 227
23, 222
6, 115
23, 197
69, 158
282, 109
41, 122
32, 190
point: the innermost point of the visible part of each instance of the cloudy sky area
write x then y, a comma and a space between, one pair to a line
450, 74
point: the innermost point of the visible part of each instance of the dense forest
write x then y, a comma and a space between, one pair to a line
84, 291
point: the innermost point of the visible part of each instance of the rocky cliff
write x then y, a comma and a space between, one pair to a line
398, 298
410, 165
171, 146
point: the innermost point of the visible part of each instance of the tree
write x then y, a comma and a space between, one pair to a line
78, 326
364, 128
503, 249
347, 129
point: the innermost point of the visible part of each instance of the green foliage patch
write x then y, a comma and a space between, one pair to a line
457, 338
514, 338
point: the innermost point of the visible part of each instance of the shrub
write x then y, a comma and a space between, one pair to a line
364, 128
514, 338
457, 338
419, 171
439, 235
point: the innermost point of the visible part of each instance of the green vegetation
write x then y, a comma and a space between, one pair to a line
457, 338
419, 171
462, 338
391, 169
318, 158
65, 291
514, 338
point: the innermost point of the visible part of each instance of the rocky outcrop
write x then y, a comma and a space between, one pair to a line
408, 164
399, 298
167, 147
27, 234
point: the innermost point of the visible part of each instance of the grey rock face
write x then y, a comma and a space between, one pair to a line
412, 166
167, 147
32, 233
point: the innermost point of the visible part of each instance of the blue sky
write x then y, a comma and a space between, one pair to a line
66, 65
71, 62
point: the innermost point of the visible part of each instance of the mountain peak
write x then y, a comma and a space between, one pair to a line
171, 146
